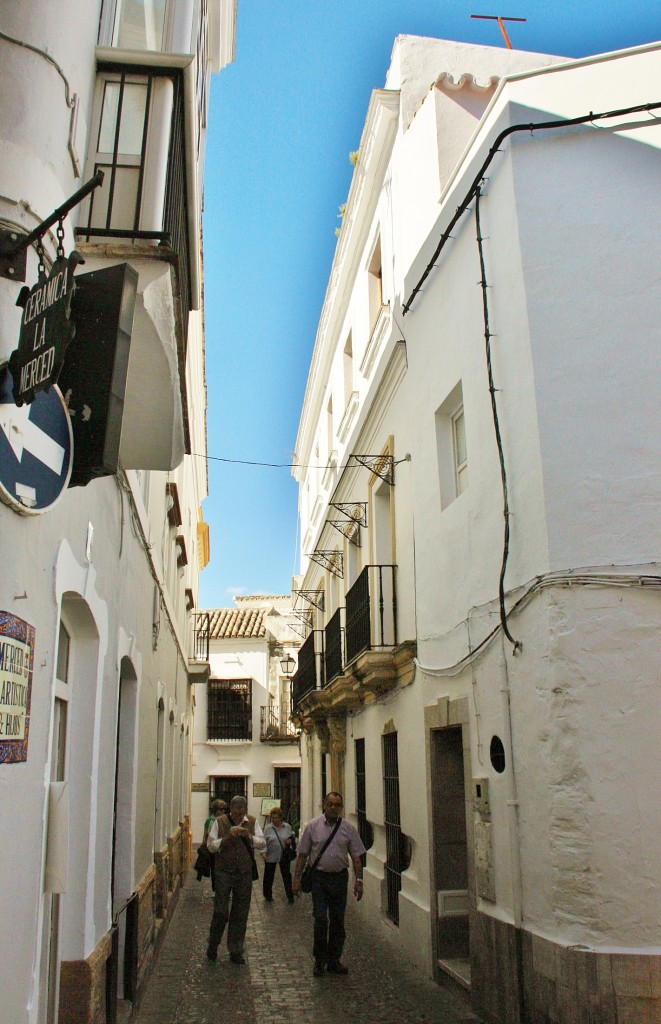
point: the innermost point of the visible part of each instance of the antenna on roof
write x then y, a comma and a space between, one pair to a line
500, 20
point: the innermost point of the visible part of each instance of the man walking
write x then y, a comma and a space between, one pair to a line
233, 838
335, 839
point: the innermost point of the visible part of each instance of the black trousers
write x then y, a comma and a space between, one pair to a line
329, 902
231, 904
269, 875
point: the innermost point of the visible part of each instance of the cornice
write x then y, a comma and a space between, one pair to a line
376, 144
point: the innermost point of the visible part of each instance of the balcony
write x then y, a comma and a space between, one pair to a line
333, 657
145, 214
307, 678
358, 655
275, 725
198, 663
372, 611
143, 197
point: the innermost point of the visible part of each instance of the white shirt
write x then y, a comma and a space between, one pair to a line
214, 840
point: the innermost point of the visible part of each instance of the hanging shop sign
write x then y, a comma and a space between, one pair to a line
93, 378
16, 661
46, 330
36, 450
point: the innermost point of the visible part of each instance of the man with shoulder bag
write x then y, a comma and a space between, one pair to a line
234, 839
326, 845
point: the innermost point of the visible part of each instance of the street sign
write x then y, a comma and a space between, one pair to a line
17, 639
45, 330
36, 450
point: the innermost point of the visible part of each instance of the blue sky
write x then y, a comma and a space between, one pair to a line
283, 120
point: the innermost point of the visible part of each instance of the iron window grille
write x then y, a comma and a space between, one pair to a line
229, 709
393, 866
227, 786
287, 789
324, 779
365, 830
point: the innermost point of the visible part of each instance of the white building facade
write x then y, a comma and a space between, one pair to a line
244, 740
480, 555
99, 650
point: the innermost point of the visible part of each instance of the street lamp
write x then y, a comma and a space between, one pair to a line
287, 664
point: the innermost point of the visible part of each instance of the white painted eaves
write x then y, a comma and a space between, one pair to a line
376, 145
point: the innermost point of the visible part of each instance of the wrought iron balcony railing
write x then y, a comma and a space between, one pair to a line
201, 633
371, 611
310, 667
368, 622
333, 659
275, 726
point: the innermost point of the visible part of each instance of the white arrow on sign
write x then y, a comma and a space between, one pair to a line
23, 434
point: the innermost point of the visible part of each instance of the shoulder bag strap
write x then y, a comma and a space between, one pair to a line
327, 843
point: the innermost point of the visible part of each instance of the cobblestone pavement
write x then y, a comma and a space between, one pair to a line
276, 983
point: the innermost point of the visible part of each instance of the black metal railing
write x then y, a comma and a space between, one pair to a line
306, 678
175, 214
274, 724
365, 830
333, 656
393, 865
201, 634
371, 611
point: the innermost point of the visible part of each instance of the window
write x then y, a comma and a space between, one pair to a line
202, 71
347, 365
375, 285
224, 787
394, 836
63, 649
324, 777
138, 141
365, 830
451, 447
287, 789
229, 709
139, 24
330, 435
459, 451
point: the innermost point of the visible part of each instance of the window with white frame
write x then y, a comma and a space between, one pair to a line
347, 369
452, 451
375, 285
330, 432
459, 450
139, 24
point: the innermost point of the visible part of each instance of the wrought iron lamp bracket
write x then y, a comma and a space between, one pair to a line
333, 561
14, 246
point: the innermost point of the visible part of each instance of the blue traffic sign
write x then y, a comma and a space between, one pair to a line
36, 449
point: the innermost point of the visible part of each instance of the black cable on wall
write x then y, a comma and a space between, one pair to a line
494, 409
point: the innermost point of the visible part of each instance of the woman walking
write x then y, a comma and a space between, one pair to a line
280, 849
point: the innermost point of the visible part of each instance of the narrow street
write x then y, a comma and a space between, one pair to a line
276, 983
